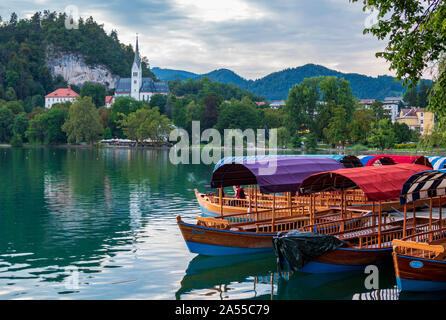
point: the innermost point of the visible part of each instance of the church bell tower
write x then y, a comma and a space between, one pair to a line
136, 77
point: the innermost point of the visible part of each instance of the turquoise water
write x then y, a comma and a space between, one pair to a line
101, 224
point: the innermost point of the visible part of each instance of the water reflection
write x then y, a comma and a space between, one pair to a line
110, 216
210, 276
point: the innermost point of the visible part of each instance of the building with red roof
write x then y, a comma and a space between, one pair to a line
60, 95
109, 101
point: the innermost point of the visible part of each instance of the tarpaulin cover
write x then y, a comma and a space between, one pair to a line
272, 175
424, 185
378, 183
371, 160
347, 160
297, 248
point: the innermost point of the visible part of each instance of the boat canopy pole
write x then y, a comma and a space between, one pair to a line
220, 191
405, 220
430, 219
379, 224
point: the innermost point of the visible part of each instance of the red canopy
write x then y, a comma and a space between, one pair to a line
421, 160
377, 182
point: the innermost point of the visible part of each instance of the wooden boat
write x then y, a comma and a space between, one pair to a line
211, 205
370, 243
252, 233
271, 175
420, 259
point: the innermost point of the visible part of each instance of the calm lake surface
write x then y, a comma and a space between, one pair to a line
101, 224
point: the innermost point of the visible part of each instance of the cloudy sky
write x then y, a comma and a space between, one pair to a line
251, 37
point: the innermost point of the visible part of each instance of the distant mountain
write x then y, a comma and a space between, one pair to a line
276, 86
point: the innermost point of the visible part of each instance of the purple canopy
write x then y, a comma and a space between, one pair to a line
272, 175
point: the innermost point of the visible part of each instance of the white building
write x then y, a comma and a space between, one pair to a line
137, 87
391, 105
60, 96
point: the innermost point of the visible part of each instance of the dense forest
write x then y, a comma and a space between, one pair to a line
26, 43
276, 86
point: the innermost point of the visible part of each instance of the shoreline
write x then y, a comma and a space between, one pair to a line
434, 152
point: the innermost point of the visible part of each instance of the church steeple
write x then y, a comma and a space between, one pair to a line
137, 58
136, 77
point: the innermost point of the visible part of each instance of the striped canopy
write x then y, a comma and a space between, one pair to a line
378, 183
437, 162
386, 159
424, 185
348, 161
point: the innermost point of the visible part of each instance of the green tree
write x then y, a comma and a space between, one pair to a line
273, 118
403, 133
20, 125
122, 105
158, 100
146, 124
238, 114
377, 109
94, 90
360, 126
83, 122
337, 132
36, 132
283, 136
15, 106
382, 135
302, 105
6, 123
211, 101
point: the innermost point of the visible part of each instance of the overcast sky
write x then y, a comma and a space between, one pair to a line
252, 38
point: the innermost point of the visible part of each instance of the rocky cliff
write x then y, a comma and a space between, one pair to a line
75, 71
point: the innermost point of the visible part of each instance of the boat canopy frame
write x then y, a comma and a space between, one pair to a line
379, 183
424, 185
288, 174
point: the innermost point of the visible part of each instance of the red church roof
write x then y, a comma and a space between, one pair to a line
62, 93
109, 99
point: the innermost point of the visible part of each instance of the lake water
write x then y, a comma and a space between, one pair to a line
101, 224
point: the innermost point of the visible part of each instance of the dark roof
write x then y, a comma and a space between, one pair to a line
148, 85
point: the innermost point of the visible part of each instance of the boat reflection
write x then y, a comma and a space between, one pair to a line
225, 275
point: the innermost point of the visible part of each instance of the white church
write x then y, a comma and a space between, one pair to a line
137, 87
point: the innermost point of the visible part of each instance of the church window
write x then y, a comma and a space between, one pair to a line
135, 74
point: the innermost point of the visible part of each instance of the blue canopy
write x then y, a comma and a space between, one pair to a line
422, 185
347, 160
437, 162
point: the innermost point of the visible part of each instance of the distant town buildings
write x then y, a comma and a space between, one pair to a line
391, 104
276, 104
367, 102
137, 87
418, 119
60, 96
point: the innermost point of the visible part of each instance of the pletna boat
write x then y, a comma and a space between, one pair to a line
420, 258
368, 244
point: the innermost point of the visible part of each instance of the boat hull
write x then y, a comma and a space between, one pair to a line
217, 242
348, 259
417, 274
